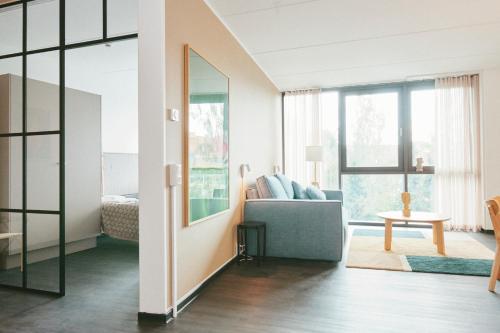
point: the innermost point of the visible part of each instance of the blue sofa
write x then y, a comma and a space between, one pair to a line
302, 229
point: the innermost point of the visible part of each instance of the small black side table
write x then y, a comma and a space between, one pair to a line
242, 231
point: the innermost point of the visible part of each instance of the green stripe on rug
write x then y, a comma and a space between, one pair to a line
458, 266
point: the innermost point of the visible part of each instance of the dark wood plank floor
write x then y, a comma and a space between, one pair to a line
280, 296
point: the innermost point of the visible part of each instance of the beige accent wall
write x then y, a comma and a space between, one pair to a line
255, 130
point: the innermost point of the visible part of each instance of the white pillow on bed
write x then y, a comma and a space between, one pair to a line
117, 198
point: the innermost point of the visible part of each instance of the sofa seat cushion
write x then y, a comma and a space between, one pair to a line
299, 191
269, 187
287, 185
315, 193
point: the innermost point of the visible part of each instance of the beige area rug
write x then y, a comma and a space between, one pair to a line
413, 250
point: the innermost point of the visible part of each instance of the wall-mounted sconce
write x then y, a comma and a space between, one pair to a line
244, 169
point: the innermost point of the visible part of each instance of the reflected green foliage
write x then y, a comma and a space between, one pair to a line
421, 188
366, 195
372, 130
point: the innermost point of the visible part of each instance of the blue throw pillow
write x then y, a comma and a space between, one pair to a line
299, 191
287, 185
275, 187
315, 193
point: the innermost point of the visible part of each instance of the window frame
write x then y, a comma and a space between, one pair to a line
364, 90
405, 163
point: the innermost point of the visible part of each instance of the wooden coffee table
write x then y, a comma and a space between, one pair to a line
417, 217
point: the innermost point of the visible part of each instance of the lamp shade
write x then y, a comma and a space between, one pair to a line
314, 153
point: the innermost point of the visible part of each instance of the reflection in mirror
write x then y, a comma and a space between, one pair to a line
207, 133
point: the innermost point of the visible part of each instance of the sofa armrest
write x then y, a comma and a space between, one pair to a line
334, 195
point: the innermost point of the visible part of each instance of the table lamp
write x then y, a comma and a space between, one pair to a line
314, 154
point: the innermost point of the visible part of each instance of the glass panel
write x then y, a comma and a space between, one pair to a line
10, 249
330, 119
11, 177
423, 127
110, 72
208, 150
11, 29
43, 252
372, 130
421, 188
11, 108
83, 20
367, 195
122, 17
43, 172
43, 91
43, 24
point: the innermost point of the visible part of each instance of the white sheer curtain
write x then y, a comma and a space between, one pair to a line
302, 123
457, 179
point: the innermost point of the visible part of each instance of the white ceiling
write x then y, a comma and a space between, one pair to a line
328, 43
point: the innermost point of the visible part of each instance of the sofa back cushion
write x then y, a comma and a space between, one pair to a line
287, 185
315, 193
269, 187
299, 191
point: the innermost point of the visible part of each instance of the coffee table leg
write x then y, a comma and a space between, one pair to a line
388, 234
440, 237
434, 234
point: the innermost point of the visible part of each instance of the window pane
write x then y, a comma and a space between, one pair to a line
11, 177
10, 249
11, 30
43, 255
43, 24
367, 195
330, 140
11, 108
122, 17
421, 188
423, 127
83, 20
43, 172
43, 91
372, 130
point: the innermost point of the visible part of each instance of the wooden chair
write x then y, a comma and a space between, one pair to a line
494, 210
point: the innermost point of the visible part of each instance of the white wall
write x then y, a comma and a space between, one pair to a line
153, 229
490, 97
120, 173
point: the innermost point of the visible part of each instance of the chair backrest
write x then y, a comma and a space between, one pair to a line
494, 210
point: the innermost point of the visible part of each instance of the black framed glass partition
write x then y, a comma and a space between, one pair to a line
34, 38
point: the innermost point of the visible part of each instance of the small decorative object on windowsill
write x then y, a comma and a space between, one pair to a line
420, 164
405, 197
276, 169
314, 154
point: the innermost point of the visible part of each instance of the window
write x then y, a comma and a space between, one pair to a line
384, 129
371, 132
372, 137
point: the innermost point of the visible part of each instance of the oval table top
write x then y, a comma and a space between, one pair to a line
414, 216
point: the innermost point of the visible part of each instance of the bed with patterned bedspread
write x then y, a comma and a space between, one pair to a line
120, 217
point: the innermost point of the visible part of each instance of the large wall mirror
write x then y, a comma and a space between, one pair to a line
206, 139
